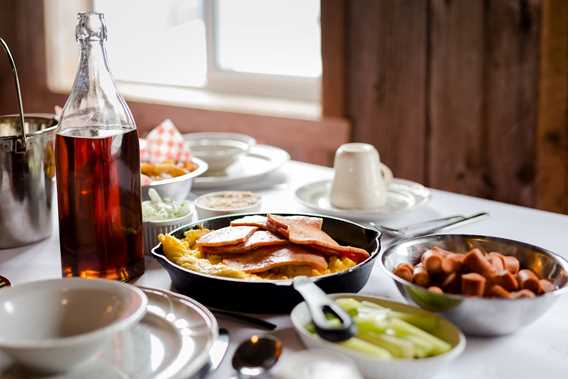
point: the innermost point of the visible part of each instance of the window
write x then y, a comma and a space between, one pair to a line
253, 48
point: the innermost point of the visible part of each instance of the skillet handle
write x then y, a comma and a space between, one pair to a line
319, 304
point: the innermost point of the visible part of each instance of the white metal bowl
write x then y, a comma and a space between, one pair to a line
57, 324
381, 368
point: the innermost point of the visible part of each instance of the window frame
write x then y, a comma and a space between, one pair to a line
251, 84
218, 81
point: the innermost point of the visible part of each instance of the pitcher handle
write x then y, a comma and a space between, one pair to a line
20, 146
386, 173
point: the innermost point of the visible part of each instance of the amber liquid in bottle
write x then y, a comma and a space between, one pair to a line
98, 190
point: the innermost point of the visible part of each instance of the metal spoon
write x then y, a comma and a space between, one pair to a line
430, 226
255, 356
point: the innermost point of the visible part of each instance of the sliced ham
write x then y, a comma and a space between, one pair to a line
260, 238
256, 220
301, 231
261, 221
230, 235
266, 259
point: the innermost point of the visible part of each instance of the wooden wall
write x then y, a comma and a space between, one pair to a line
448, 90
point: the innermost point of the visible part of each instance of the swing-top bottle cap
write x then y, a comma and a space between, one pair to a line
91, 27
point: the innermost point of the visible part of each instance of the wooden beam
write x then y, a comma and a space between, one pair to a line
386, 57
512, 37
457, 155
552, 135
333, 54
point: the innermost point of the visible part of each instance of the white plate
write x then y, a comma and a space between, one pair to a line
260, 160
171, 342
403, 195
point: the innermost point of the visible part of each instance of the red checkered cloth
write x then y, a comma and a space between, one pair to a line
164, 142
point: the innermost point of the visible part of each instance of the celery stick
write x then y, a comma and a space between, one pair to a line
398, 347
349, 305
310, 328
357, 344
403, 328
366, 323
422, 348
424, 322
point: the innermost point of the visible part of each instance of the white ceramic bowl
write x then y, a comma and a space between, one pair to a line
386, 369
153, 228
55, 325
205, 211
219, 150
175, 188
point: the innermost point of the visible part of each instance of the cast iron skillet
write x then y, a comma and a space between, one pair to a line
270, 296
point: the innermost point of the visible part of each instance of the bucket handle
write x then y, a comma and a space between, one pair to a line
20, 146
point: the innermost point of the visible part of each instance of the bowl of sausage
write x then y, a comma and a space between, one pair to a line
488, 286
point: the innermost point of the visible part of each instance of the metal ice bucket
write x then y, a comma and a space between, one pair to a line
27, 174
27, 180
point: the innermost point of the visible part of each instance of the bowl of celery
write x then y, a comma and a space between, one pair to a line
393, 340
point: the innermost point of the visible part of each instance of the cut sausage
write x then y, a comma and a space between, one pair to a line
529, 281
546, 285
498, 291
512, 264
421, 276
497, 262
404, 271
506, 280
475, 261
432, 261
473, 284
523, 294
452, 262
435, 289
452, 283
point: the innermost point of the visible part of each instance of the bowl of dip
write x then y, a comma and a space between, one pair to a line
227, 202
161, 216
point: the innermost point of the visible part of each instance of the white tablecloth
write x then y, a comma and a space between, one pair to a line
540, 350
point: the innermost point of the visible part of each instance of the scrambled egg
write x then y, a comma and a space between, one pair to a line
184, 253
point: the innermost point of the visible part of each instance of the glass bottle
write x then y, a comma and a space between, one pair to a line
98, 169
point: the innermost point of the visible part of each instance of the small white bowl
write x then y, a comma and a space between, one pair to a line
206, 211
176, 188
219, 150
153, 228
54, 325
386, 369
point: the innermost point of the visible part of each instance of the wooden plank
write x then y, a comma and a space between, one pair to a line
511, 98
8, 102
386, 66
333, 54
457, 156
552, 136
